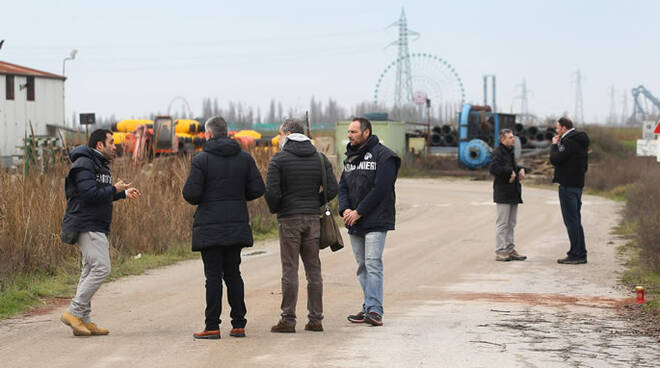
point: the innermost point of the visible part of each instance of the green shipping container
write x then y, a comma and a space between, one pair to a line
390, 133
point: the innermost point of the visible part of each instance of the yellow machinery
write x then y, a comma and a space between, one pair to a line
119, 137
129, 125
248, 133
187, 126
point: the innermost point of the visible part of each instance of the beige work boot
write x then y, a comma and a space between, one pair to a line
96, 330
506, 257
517, 257
76, 324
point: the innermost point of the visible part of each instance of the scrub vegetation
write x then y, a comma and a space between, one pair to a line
151, 231
618, 173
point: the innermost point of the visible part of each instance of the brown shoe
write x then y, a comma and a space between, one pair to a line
282, 326
213, 334
76, 324
516, 257
237, 332
314, 326
503, 257
96, 330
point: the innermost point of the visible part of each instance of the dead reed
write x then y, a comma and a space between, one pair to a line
32, 206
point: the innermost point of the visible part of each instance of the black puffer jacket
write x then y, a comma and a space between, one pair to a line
294, 179
222, 178
89, 192
503, 164
571, 160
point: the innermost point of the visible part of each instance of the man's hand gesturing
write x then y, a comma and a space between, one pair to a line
132, 193
120, 186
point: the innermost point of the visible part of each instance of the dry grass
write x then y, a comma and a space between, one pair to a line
643, 211
31, 209
615, 168
32, 206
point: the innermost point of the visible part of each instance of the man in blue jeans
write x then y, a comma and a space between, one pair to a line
366, 201
569, 156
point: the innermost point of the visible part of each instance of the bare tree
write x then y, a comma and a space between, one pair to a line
271, 112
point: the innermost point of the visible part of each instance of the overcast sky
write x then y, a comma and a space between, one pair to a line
133, 59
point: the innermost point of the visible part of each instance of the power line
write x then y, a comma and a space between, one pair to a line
612, 119
624, 112
579, 107
403, 91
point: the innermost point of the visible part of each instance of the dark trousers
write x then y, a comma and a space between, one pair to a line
570, 200
299, 237
222, 263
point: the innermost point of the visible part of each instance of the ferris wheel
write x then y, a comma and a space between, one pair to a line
431, 77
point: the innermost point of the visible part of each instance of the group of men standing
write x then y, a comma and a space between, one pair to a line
222, 179
569, 156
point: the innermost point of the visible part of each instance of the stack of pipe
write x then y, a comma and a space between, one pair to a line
443, 135
530, 137
534, 136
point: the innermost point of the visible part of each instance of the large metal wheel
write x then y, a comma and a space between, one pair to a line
431, 76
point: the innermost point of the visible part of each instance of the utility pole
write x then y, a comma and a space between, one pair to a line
624, 113
524, 106
579, 107
404, 89
612, 117
493, 89
524, 93
72, 56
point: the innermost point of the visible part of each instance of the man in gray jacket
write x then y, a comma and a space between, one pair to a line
293, 186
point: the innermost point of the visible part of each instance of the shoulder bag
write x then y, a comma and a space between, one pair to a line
330, 235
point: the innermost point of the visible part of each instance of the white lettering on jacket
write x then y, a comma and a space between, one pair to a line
364, 165
103, 178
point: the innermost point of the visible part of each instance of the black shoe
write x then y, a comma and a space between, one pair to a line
356, 318
572, 260
374, 319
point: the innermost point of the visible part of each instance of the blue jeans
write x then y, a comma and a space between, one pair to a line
368, 251
570, 200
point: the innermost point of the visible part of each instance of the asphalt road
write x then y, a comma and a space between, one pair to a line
447, 302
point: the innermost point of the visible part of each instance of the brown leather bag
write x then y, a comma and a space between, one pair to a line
330, 234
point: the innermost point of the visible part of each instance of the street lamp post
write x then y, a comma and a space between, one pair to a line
71, 56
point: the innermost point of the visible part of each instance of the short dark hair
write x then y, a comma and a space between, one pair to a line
217, 126
293, 126
364, 124
99, 135
565, 122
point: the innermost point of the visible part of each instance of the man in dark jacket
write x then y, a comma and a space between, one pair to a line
569, 155
507, 193
294, 192
366, 201
222, 178
90, 193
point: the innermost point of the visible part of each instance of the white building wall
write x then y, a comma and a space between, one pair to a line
47, 108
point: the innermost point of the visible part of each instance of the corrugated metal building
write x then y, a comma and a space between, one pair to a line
27, 95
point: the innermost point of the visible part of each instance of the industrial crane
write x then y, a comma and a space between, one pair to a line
639, 111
